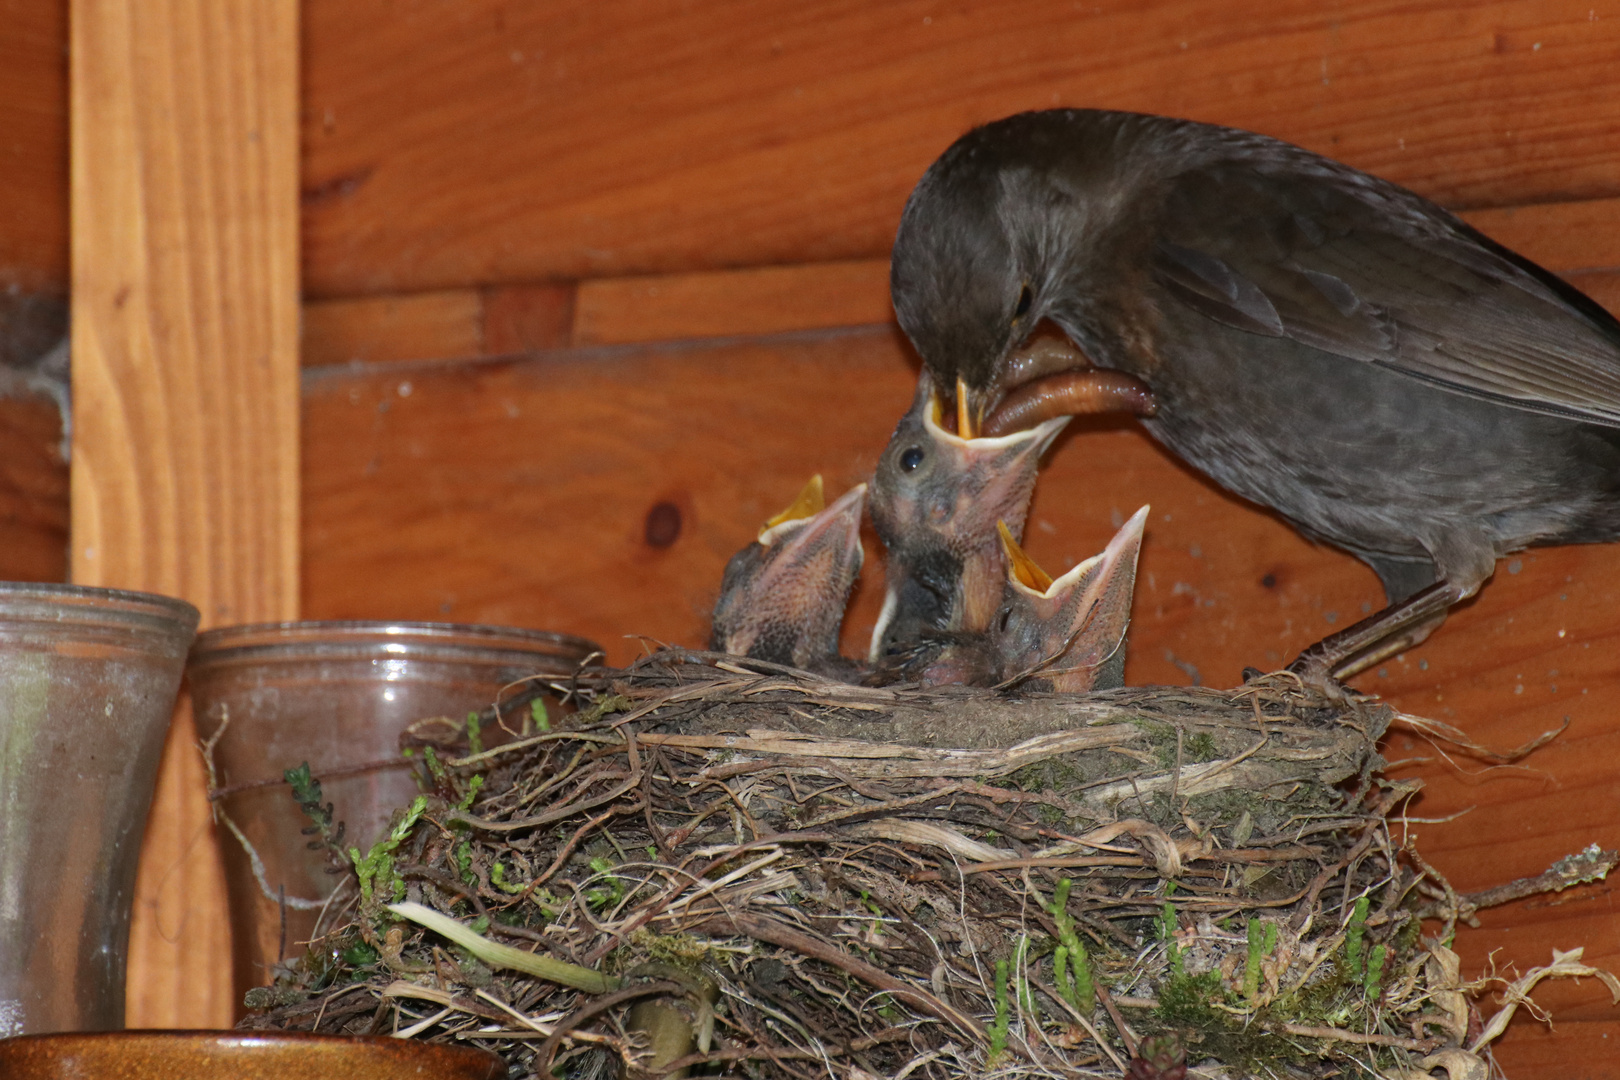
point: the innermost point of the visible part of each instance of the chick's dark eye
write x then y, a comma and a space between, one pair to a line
910, 458
1025, 299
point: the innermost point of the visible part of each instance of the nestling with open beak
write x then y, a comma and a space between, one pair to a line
782, 597
1063, 634
1318, 340
1069, 632
936, 498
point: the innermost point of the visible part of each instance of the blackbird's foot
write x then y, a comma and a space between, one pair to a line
1314, 669
1326, 665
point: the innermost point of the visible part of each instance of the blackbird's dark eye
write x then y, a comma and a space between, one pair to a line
1025, 299
910, 458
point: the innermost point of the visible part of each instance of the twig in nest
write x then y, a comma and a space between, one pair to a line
776, 933
594, 1007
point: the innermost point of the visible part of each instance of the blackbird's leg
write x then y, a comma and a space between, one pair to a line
1463, 559
1376, 638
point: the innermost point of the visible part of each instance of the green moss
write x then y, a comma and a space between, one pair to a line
1187, 1008
677, 950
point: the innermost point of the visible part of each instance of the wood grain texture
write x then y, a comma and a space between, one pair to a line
761, 300
527, 318
504, 320
484, 142
185, 452
33, 491
33, 145
379, 329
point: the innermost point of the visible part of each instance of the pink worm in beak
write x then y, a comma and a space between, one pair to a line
1070, 393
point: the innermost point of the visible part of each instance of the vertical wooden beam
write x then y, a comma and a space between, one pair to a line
185, 436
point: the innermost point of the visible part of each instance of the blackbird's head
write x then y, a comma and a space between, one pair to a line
782, 597
994, 238
936, 498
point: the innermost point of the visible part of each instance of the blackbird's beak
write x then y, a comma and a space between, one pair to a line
936, 497
782, 598
1047, 352
969, 413
1068, 629
1048, 376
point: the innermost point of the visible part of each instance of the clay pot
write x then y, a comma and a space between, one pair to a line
242, 1055
337, 695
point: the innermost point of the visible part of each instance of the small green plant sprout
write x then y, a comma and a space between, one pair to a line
1168, 925
475, 734
497, 878
1026, 996
1076, 988
998, 1027
376, 869
495, 954
1353, 936
306, 790
474, 785
607, 895
539, 716
1372, 982
1262, 940
464, 860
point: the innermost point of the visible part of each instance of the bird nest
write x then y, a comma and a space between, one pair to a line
719, 866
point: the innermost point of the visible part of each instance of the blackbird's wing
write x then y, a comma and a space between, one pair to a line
1362, 269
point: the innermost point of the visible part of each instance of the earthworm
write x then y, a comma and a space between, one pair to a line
1070, 393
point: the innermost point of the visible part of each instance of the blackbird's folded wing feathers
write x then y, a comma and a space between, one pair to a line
1364, 270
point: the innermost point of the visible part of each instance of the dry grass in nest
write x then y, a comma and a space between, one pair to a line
720, 867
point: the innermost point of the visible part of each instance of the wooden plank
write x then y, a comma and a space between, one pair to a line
378, 329
484, 142
1566, 237
518, 492
33, 491
502, 104
763, 300
1559, 1050
533, 481
33, 145
185, 340
527, 318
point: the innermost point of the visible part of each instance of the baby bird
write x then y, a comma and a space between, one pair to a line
1064, 634
782, 597
1070, 631
936, 499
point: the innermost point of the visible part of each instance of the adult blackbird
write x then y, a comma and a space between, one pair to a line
1320, 341
782, 597
936, 498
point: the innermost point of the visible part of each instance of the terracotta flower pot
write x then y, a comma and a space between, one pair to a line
88, 679
210, 1055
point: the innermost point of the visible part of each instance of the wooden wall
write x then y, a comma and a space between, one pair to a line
567, 263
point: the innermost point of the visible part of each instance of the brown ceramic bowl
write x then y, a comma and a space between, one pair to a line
247, 1055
